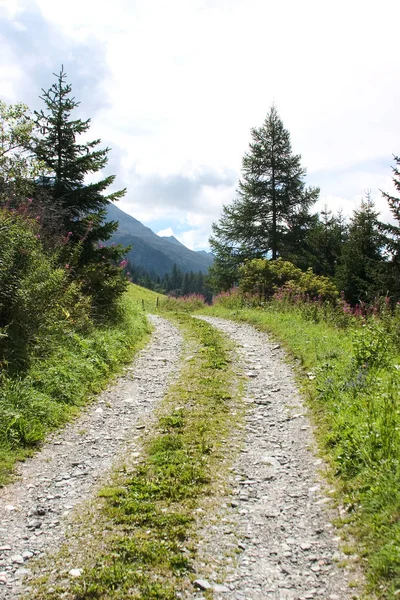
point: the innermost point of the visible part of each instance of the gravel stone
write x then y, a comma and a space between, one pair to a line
202, 584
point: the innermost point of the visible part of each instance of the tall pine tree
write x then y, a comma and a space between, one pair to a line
69, 161
392, 236
270, 197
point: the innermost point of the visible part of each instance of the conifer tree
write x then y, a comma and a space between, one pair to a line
271, 194
68, 161
392, 236
326, 239
358, 275
186, 284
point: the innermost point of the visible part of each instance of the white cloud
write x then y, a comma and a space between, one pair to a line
166, 232
185, 80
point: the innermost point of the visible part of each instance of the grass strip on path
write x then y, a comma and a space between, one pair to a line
351, 380
147, 514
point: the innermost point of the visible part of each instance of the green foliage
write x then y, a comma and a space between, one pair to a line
82, 206
176, 283
17, 167
358, 273
256, 278
264, 278
37, 299
232, 299
325, 240
318, 287
391, 232
372, 345
186, 304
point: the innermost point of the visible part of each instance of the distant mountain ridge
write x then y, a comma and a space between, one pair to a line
152, 252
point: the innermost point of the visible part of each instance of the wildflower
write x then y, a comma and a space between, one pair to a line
67, 266
69, 233
37, 217
38, 236
30, 200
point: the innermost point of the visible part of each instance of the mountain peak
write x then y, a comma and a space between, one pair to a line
152, 252
172, 239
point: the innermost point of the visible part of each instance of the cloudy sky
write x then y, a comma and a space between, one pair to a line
174, 87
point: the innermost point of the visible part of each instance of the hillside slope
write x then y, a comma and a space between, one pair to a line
152, 252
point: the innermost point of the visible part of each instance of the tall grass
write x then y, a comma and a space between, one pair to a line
188, 304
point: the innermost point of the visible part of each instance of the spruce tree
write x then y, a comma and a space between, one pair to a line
68, 161
270, 198
391, 232
186, 284
359, 273
326, 239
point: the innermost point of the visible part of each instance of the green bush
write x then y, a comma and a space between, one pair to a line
264, 278
104, 283
37, 298
372, 345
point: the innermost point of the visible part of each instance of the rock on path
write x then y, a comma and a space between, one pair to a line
75, 460
279, 516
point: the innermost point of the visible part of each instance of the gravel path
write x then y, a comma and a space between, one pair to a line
72, 463
279, 515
